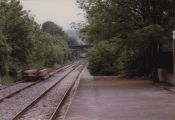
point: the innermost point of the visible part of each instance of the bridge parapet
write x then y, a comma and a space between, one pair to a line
80, 46
80, 50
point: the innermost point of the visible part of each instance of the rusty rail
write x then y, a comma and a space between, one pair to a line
18, 115
64, 97
38, 81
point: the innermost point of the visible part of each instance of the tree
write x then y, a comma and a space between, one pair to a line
72, 41
19, 31
52, 28
134, 26
23, 44
4, 56
102, 60
51, 50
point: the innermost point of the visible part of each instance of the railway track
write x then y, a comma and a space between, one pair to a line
62, 107
10, 85
22, 81
26, 85
55, 93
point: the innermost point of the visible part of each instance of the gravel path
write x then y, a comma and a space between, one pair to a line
10, 107
45, 107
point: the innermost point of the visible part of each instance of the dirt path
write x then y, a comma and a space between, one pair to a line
120, 99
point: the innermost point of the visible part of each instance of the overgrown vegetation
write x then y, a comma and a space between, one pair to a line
23, 44
138, 30
103, 59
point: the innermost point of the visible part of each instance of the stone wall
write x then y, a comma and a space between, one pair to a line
164, 76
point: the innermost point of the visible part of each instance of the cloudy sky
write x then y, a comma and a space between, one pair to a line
62, 12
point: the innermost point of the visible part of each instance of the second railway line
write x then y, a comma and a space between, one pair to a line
20, 105
20, 86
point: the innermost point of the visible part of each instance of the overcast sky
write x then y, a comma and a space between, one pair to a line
62, 12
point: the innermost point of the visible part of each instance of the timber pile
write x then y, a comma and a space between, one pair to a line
30, 75
35, 74
43, 74
51, 73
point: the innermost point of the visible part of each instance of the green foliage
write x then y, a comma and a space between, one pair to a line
103, 59
6, 79
72, 41
4, 56
23, 44
52, 28
140, 31
51, 50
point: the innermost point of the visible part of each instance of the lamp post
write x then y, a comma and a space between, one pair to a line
173, 54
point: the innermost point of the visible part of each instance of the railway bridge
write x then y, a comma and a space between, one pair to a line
80, 51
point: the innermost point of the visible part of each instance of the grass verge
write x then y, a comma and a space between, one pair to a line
6, 80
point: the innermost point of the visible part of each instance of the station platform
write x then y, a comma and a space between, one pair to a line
120, 99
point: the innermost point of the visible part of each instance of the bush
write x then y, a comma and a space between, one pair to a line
4, 55
51, 50
103, 59
23, 44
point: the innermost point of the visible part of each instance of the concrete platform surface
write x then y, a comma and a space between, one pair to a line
121, 99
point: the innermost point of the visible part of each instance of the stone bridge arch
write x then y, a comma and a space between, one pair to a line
80, 51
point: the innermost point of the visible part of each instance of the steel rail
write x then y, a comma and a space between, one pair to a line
64, 97
32, 84
15, 83
18, 115
21, 81
65, 106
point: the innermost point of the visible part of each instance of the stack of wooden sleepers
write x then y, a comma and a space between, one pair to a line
35, 74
